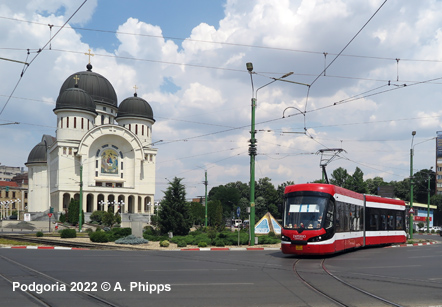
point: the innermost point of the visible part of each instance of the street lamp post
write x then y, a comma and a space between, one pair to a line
101, 203
428, 206
411, 185
252, 147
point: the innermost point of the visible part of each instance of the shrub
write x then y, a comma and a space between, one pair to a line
89, 231
99, 237
154, 237
164, 243
211, 233
122, 232
131, 239
97, 216
68, 233
149, 230
39, 234
202, 244
181, 243
222, 235
272, 234
62, 218
219, 243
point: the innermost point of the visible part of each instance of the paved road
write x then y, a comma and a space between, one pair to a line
410, 275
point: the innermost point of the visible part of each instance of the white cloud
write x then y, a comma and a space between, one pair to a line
215, 103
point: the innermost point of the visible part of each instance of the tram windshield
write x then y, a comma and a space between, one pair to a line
304, 212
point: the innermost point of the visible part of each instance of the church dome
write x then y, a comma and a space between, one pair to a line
135, 107
75, 98
37, 154
100, 89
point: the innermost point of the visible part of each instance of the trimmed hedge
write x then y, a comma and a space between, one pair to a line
99, 237
39, 234
164, 243
68, 233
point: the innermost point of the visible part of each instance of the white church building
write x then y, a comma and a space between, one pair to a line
101, 153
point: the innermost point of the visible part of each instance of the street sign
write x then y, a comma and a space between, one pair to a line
238, 211
411, 211
50, 214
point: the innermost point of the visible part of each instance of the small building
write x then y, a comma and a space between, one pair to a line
421, 212
13, 197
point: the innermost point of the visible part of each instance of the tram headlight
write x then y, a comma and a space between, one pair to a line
315, 239
285, 238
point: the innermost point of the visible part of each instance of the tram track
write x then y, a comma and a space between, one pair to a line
314, 274
61, 292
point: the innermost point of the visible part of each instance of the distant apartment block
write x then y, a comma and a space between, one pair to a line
8, 172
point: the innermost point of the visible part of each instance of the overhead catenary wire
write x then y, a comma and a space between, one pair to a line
38, 53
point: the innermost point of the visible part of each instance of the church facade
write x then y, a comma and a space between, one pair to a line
101, 154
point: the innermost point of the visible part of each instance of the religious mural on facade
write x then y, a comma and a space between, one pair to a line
109, 162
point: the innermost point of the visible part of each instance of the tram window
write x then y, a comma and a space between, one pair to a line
351, 217
329, 217
399, 221
390, 224
373, 222
346, 217
339, 216
383, 222
360, 216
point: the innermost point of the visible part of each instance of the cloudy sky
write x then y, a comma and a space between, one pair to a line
374, 70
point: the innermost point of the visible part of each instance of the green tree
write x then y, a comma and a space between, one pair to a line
420, 189
108, 219
73, 211
402, 189
173, 214
373, 184
356, 182
229, 198
243, 204
215, 213
260, 208
242, 188
197, 213
340, 177
266, 190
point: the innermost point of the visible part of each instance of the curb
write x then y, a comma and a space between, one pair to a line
415, 244
44, 247
231, 249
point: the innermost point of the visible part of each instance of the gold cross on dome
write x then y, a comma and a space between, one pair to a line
89, 54
76, 79
135, 87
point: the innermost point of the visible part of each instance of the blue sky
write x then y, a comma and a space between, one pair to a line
200, 90
176, 18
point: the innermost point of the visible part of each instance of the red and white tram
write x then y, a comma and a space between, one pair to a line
324, 219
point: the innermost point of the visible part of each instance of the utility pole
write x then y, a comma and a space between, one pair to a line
205, 199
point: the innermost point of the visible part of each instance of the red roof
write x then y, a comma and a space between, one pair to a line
8, 184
